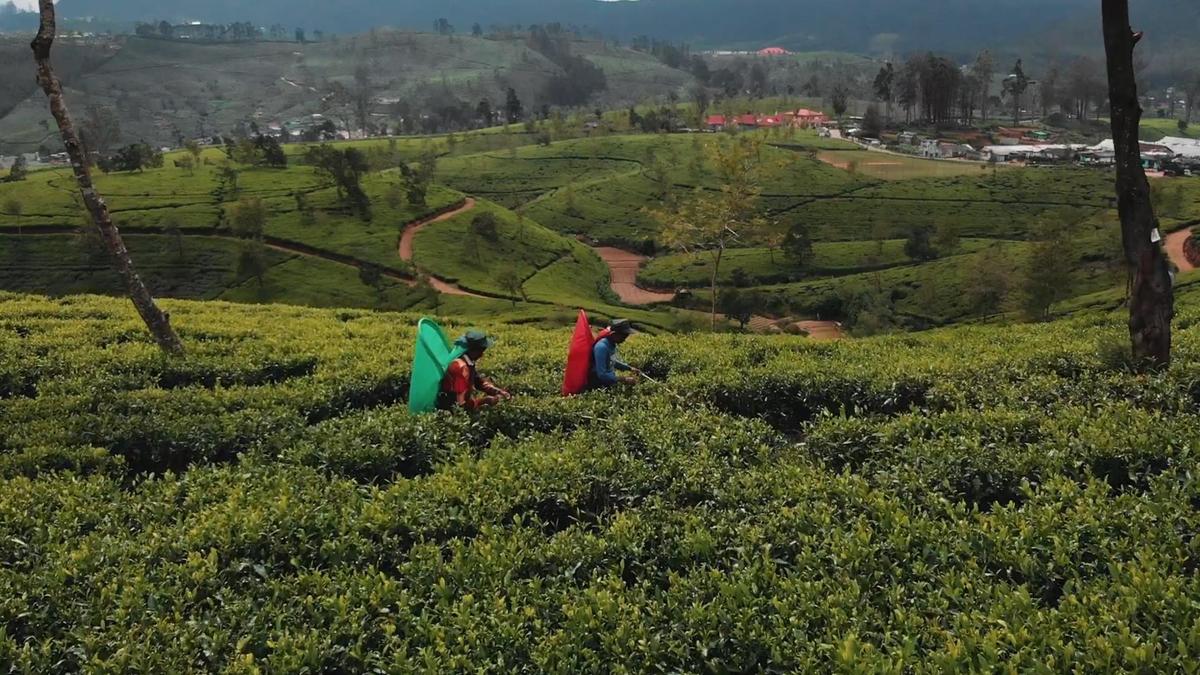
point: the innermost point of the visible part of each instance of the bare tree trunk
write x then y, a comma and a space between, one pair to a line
1151, 304
156, 320
713, 285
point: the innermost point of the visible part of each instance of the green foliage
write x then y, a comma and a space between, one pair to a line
738, 306
975, 498
133, 157
248, 217
252, 262
418, 178
345, 168
484, 226
511, 283
919, 245
19, 171
1047, 278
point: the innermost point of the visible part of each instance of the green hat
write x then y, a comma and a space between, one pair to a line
475, 339
622, 326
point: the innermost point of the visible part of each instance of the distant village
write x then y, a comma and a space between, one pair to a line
1170, 156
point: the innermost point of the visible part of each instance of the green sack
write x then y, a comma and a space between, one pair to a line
431, 358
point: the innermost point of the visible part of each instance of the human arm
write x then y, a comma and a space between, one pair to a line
488, 387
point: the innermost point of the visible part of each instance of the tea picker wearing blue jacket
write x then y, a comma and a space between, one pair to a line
605, 361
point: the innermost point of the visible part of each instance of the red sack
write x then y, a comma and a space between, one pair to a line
579, 358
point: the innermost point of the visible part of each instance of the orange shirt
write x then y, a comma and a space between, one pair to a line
462, 378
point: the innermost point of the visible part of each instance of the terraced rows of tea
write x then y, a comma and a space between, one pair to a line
545, 196
973, 499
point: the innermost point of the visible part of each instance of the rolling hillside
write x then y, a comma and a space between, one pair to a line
545, 205
165, 91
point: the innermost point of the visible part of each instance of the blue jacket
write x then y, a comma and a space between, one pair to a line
605, 363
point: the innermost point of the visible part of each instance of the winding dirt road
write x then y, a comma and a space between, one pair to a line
410, 234
624, 266
1174, 245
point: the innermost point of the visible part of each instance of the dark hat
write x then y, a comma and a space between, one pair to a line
475, 339
622, 326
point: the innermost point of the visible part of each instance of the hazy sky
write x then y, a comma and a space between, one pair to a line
25, 4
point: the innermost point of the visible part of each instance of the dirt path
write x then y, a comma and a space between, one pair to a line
624, 267
817, 330
411, 229
823, 330
410, 234
1174, 244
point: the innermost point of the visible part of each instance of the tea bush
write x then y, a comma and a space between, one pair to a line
975, 499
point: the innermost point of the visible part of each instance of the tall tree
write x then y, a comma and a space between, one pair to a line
156, 320
362, 94
512, 106
1152, 296
1191, 91
483, 112
907, 83
884, 87
872, 123
18, 171
1048, 89
1014, 86
1085, 85
984, 71
1047, 278
839, 99
100, 131
714, 221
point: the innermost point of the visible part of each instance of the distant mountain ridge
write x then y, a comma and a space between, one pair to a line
1045, 27
851, 25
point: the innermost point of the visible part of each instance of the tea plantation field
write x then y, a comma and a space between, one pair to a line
550, 196
968, 499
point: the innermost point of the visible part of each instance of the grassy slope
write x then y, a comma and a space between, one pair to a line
167, 89
887, 166
614, 209
1154, 129
207, 269
521, 245
762, 266
69, 264
610, 188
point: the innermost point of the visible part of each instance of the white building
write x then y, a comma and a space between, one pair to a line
1189, 148
1006, 153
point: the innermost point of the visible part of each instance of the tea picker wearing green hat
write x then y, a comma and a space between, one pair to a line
463, 380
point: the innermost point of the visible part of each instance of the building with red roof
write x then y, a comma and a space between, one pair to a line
805, 118
773, 51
